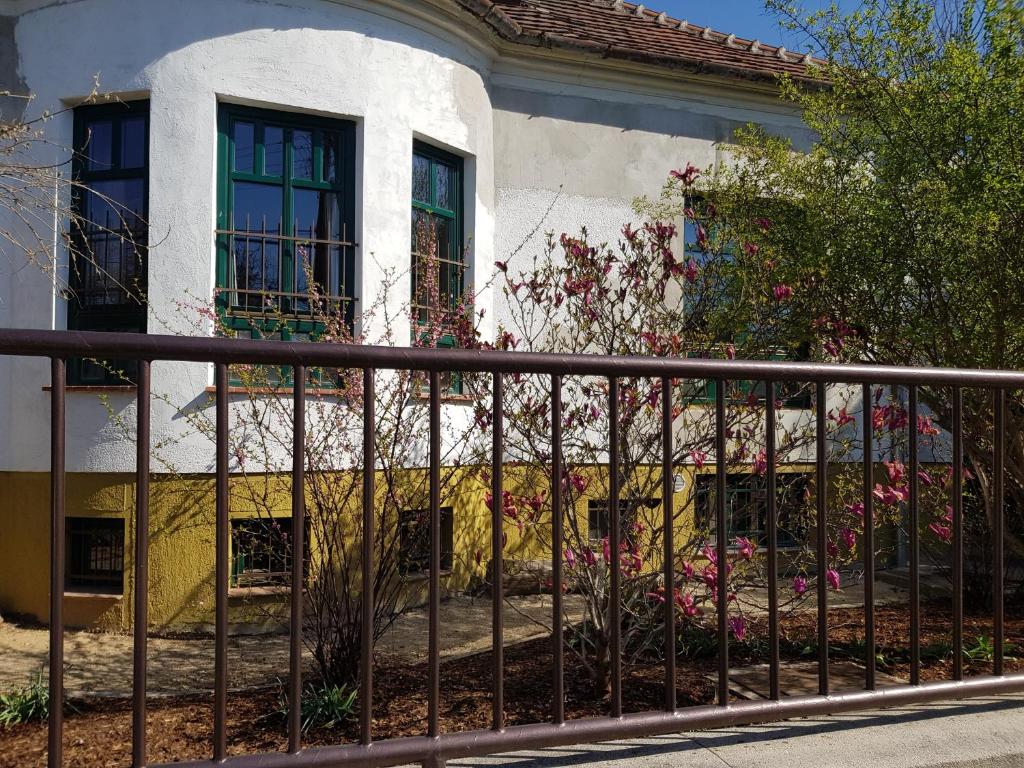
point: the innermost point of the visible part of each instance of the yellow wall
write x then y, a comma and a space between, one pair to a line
182, 529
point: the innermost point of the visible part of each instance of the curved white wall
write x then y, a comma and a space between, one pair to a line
397, 76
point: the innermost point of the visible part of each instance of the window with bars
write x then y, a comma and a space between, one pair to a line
285, 213
438, 253
95, 555
599, 522
746, 506
109, 230
261, 553
414, 541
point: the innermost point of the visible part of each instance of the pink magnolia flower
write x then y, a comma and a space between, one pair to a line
857, 508
751, 249
746, 547
690, 271
944, 532
730, 351
738, 627
699, 458
657, 597
848, 537
687, 176
588, 557
606, 550
570, 559
782, 292
926, 427
924, 477
896, 471
761, 463
687, 604
764, 225
687, 570
842, 418
832, 577
710, 554
799, 584
831, 548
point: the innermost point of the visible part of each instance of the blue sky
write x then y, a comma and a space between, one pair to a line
744, 18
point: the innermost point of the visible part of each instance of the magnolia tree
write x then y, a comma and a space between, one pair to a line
688, 281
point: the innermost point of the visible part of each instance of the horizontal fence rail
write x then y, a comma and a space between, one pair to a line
435, 747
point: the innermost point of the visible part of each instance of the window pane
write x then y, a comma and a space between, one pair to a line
256, 263
318, 218
98, 145
133, 142
244, 135
421, 179
332, 154
442, 229
444, 186
302, 154
273, 148
108, 251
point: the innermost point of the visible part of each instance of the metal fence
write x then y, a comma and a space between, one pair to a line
435, 747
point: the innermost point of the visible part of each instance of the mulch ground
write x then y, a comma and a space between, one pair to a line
99, 732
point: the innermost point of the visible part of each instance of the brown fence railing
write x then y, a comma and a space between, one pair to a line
436, 747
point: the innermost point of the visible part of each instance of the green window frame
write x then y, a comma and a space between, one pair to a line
793, 394
268, 270
437, 208
107, 277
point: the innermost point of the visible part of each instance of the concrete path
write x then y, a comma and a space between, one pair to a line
100, 663
983, 733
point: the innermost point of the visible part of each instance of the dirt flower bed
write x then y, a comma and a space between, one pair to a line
99, 732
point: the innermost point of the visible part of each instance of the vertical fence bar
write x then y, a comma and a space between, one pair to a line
958, 534
141, 607
773, 541
434, 649
614, 538
821, 543
220, 672
868, 555
298, 550
998, 460
55, 733
669, 555
367, 598
721, 546
557, 527
497, 565
914, 523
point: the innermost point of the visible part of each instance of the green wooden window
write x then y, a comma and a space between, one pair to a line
437, 195
109, 231
285, 213
746, 507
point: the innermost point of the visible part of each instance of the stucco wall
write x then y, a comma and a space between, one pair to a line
397, 77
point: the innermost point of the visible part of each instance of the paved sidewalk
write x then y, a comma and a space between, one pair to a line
983, 733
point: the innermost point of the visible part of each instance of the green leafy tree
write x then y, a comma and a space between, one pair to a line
901, 228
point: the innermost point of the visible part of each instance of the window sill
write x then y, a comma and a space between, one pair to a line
109, 388
76, 595
277, 391
240, 592
450, 399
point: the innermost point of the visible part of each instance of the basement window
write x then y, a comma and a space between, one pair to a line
414, 541
94, 555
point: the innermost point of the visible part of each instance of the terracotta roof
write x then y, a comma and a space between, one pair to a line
628, 31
